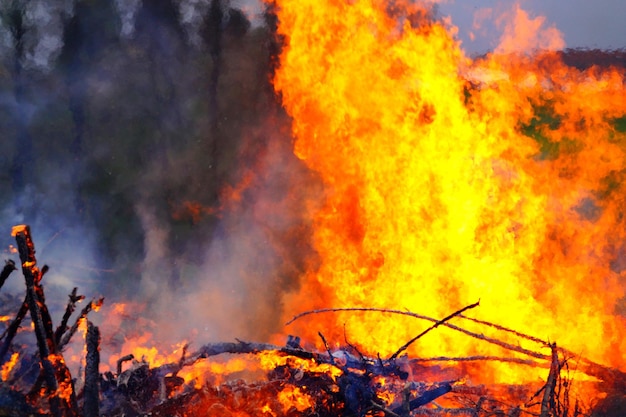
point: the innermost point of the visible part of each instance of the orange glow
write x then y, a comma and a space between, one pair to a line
65, 389
15, 230
141, 347
270, 360
293, 397
191, 211
215, 371
450, 180
8, 366
97, 304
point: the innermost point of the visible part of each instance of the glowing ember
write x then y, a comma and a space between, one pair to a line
450, 180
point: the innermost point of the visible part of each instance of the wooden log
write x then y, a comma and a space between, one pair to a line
91, 405
53, 367
426, 397
26, 250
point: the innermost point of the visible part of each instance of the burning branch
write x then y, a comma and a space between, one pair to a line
11, 331
9, 267
92, 305
55, 373
479, 336
71, 306
437, 324
548, 403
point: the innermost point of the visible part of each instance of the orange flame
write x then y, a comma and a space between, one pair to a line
18, 229
292, 397
65, 389
8, 366
450, 180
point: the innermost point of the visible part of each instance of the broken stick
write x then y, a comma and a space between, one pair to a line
92, 373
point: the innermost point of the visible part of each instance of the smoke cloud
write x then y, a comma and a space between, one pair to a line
161, 173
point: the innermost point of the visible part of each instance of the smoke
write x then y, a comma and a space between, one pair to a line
127, 10
43, 37
133, 192
229, 283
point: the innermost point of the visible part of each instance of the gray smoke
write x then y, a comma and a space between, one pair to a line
161, 169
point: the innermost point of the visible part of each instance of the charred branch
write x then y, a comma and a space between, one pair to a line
54, 372
548, 403
478, 336
434, 326
93, 304
123, 359
11, 331
69, 310
91, 395
426, 397
26, 250
9, 267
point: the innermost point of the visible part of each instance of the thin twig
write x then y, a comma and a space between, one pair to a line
506, 329
480, 358
437, 324
83, 314
345, 338
385, 410
9, 266
330, 354
69, 309
422, 317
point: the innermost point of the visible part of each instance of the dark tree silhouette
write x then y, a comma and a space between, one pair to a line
212, 35
13, 18
92, 29
160, 36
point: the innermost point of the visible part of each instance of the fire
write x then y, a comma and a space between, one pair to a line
294, 397
450, 180
8, 366
65, 389
271, 360
18, 229
214, 372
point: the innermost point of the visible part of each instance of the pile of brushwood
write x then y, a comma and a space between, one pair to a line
40, 383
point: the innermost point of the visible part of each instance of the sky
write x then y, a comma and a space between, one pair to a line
582, 23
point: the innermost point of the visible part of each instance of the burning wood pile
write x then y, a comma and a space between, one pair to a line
293, 380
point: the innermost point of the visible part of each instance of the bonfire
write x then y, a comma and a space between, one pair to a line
447, 180
296, 381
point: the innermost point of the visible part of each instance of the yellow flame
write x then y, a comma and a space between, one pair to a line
8, 366
15, 230
450, 180
293, 397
